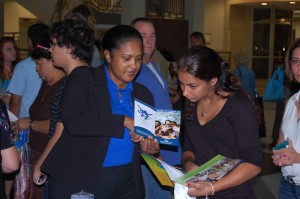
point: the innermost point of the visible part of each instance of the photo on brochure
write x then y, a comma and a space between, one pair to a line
163, 125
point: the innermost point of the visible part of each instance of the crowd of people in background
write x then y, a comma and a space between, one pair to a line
74, 97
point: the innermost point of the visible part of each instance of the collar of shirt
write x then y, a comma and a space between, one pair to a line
120, 104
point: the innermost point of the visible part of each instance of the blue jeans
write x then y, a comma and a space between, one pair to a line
289, 191
152, 186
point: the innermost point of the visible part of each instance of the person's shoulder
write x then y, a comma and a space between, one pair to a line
141, 87
82, 71
143, 67
23, 64
145, 93
293, 99
239, 98
81, 74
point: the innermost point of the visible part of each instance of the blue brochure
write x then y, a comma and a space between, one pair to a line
163, 125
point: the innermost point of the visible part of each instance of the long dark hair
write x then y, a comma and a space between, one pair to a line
3, 40
118, 35
204, 63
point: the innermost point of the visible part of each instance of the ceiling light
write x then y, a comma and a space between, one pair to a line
292, 2
264, 4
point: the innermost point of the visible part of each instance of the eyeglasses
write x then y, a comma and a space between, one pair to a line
295, 61
52, 44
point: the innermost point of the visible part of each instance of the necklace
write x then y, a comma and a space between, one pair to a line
45, 92
203, 113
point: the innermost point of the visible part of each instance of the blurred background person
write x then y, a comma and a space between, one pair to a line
24, 87
288, 158
8, 59
246, 75
197, 39
40, 112
9, 158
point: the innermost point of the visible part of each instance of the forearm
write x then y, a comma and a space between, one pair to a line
15, 104
239, 175
296, 158
41, 126
188, 161
51, 143
280, 138
10, 159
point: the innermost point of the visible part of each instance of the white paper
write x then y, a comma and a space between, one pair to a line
12, 117
180, 192
172, 172
144, 119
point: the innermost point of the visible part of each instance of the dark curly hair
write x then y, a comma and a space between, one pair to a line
204, 63
41, 53
75, 34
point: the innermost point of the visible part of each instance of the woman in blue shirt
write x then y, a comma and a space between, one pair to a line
97, 151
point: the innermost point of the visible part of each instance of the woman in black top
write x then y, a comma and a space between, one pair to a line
219, 119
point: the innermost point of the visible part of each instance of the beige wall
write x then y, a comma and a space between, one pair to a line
214, 23
12, 12
131, 10
296, 26
194, 14
240, 31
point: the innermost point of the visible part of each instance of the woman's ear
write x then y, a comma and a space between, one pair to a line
69, 50
107, 56
213, 81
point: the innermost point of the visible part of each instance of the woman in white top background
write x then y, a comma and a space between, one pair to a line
288, 158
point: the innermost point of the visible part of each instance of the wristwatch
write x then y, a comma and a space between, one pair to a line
30, 123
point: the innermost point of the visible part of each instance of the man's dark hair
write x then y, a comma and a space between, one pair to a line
41, 53
75, 34
39, 34
198, 35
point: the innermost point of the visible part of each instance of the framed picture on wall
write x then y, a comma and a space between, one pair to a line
207, 37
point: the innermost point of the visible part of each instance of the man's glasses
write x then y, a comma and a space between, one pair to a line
52, 44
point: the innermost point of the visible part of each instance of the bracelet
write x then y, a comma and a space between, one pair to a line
30, 123
212, 188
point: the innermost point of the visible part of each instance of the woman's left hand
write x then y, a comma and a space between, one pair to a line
198, 189
150, 145
21, 124
285, 156
135, 137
